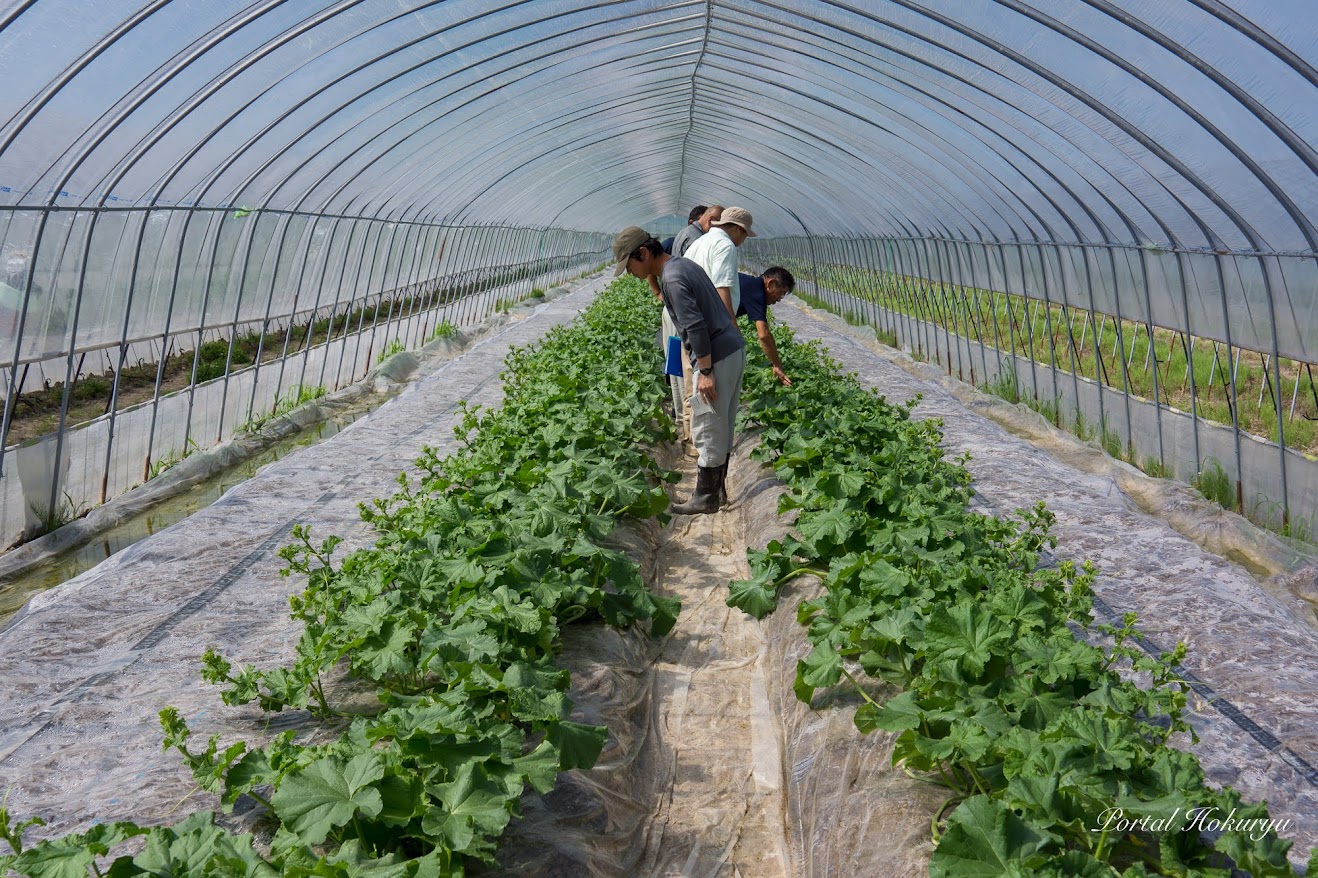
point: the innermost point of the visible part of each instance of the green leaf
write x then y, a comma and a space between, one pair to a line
963, 639
328, 794
985, 839
900, 712
72, 856
756, 597
822, 668
472, 808
578, 745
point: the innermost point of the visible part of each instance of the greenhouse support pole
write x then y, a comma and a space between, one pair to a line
462, 292
12, 394
1048, 320
992, 290
326, 255
902, 293
237, 313
1182, 261
1074, 351
1276, 371
164, 338
70, 375
1121, 341
1028, 329
417, 291
201, 328
1099, 383
359, 299
322, 280
1145, 278
423, 287
1231, 373
123, 355
370, 294
265, 319
354, 257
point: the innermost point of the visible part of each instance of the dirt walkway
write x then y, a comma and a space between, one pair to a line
721, 813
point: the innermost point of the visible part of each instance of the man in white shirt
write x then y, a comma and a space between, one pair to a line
716, 252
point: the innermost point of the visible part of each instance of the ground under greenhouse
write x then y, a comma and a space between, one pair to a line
712, 768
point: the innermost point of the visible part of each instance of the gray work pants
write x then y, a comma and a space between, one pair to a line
712, 423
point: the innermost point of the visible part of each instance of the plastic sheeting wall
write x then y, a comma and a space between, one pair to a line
327, 297
1275, 484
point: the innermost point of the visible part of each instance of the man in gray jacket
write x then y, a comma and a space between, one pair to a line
714, 347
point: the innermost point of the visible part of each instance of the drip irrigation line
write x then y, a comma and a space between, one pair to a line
1242, 720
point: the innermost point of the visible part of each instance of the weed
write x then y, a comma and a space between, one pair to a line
446, 329
296, 397
536, 293
1049, 408
887, 337
1110, 441
51, 519
1298, 528
394, 347
1005, 385
1155, 468
1213, 482
172, 460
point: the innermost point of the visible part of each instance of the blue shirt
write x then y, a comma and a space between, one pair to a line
753, 302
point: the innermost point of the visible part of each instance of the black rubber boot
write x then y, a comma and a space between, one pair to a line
703, 501
721, 489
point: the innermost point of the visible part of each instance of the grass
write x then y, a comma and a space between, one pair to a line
171, 460
298, 396
446, 329
1213, 482
394, 347
53, 518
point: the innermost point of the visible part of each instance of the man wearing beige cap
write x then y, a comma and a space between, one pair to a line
714, 348
716, 252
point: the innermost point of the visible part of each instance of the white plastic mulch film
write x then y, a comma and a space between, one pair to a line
183, 173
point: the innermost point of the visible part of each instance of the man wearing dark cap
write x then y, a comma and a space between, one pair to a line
714, 348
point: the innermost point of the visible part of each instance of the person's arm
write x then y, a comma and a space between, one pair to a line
770, 348
725, 295
654, 287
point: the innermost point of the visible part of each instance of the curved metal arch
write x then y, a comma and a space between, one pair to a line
932, 140
930, 97
417, 134
914, 176
999, 99
217, 84
1084, 97
397, 75
1292, 209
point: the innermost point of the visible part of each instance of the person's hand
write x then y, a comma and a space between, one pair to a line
779, 374
705, 388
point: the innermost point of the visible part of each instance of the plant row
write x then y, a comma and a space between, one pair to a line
428, 658
1056, 763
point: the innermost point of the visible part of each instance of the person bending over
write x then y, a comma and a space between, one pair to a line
714, 348
757, 294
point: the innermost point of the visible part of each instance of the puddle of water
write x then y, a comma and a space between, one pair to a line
18, 590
